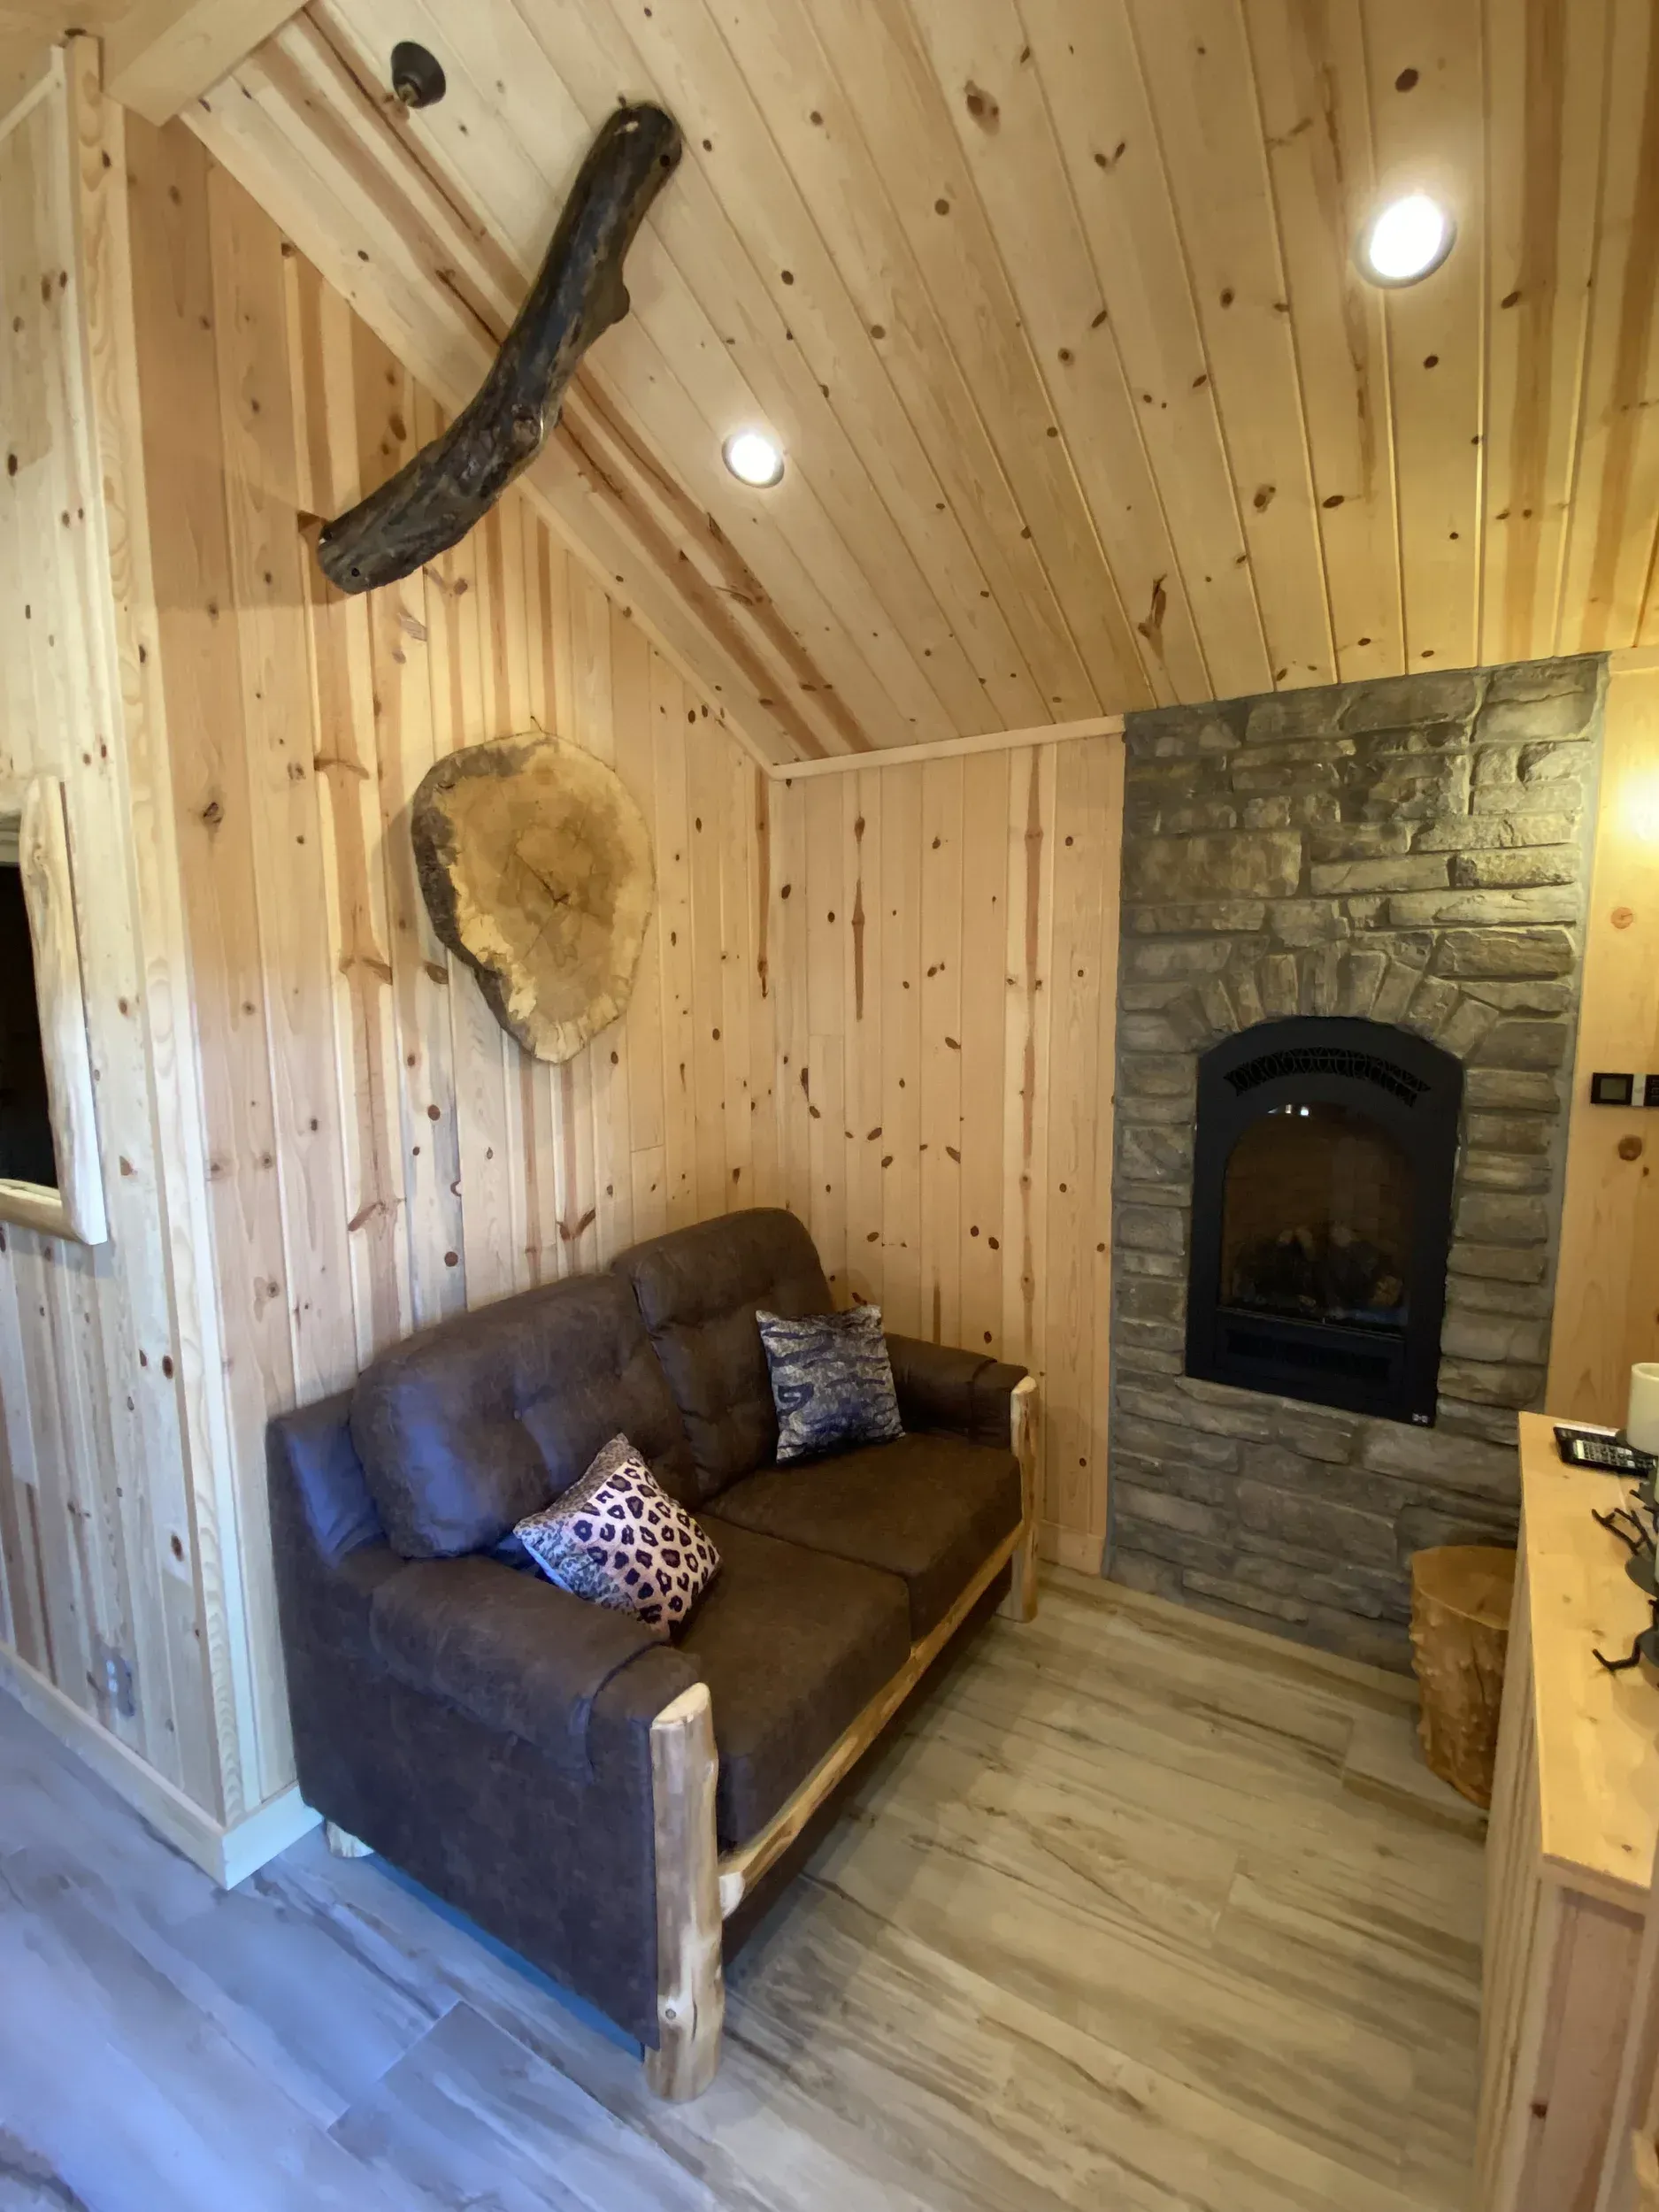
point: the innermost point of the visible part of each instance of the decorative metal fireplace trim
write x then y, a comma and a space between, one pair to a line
1412, 1092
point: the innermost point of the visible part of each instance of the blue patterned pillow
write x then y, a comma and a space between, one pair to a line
832, 1381
617, 1538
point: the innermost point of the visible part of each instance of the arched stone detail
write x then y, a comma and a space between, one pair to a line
1337, 980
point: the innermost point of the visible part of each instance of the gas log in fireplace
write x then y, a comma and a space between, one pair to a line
1322, 1191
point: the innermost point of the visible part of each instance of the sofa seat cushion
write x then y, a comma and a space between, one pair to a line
793, 1644
928, 1508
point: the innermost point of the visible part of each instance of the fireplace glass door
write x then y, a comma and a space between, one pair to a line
1318, 1220
1322, 1189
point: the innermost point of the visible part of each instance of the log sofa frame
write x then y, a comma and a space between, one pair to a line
698, 1887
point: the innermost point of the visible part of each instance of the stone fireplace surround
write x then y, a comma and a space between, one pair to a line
1413, 851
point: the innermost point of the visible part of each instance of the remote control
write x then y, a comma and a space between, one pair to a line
1581, 1448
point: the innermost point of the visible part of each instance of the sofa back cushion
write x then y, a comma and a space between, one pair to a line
466, 1429
312, 1447
698, 1289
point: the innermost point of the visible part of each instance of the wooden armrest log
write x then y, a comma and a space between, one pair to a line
343, 1845
1020, 1604
694, 1886
743, 1867
691, 1985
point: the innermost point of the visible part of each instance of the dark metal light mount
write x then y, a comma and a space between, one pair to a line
418, 77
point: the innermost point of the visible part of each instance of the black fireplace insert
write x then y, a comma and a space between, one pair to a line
1322, 1195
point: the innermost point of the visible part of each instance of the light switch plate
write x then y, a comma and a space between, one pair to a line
1612, 1090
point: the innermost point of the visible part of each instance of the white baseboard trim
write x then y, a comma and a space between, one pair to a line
229, 1855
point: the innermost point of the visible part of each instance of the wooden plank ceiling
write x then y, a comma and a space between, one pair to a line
1052, 304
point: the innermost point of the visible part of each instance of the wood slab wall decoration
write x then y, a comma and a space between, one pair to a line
535, 866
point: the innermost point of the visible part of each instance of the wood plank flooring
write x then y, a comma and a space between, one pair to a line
1105, 1930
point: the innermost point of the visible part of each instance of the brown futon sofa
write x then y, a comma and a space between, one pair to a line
600, 1801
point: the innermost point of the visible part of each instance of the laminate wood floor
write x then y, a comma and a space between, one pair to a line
1105, 1930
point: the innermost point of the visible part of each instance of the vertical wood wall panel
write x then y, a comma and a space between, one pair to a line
950, 1146
1606, 1290
111, 1593
381, 1153
202, 642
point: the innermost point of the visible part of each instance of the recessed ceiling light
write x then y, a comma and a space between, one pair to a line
753, 458
1406, 239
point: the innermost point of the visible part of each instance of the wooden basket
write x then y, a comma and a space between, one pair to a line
1461, 1597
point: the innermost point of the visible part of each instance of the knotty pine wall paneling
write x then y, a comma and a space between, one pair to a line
381, 1153
943, 952
878, 996
1607, 1294
113, 1624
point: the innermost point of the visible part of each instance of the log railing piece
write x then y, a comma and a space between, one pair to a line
743, 1867
437, 496
691, 1985
343, 1845
1020, 1604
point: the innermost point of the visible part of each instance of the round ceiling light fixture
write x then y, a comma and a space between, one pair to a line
1406, 241
753, 458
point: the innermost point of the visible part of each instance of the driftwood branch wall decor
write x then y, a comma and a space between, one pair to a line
435, 498
535, 866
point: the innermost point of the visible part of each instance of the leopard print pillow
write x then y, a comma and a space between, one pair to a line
616, 1537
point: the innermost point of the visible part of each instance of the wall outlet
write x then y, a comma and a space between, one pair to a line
117, 1683
1624, 1090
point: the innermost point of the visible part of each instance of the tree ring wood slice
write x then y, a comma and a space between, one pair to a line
535, 866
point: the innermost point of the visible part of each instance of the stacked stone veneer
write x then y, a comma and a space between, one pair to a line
1412, 850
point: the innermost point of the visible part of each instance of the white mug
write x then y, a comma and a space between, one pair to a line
1642, 1425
